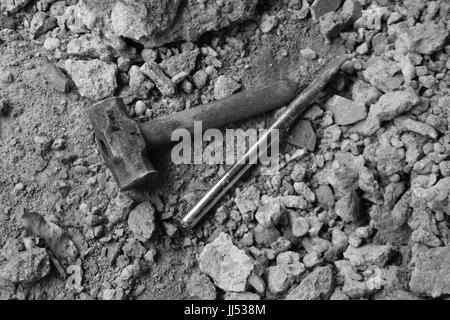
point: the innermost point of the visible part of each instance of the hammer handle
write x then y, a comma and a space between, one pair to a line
216, 114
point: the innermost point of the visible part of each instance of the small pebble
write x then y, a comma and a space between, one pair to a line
52, 44
308, 54
140, 107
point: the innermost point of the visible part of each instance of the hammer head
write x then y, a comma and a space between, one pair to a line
121, 144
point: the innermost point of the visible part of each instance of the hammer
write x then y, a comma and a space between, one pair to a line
124, 144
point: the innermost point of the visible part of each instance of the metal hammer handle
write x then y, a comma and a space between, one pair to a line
294, 110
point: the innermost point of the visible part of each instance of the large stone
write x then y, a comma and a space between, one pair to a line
345, 112
95, 79
431, 274
88, 46
13, 6
27, 266
247, 200
383, 74
154, 23
282, 276
387, 108
320, 7
369, 255
226, 264
141, 221
424, 38
317, 285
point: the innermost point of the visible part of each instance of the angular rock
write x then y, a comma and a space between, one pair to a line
247, 200
368, 255
364, 94
424, 38
141, 221
431, 274
13, 6
408, 124
224, 87
388, 107
199, 78
345, 112
94, 79
332, 23
55, 76
88, 46
302, 135
347, 207
317, 285
269, 213
226, 264
41, 24
383, 74
26, 266
325, 196
154, 23
183, 62
320, 7
300, 227
163, 83
118, 209
281, 277
200, 286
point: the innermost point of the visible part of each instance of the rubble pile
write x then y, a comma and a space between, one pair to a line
360, 205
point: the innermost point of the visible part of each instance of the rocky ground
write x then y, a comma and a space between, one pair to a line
358, 210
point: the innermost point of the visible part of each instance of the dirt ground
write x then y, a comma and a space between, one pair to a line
66, 185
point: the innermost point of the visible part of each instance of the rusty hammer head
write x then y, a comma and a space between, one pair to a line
121, 144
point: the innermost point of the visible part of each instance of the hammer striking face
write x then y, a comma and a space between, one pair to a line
121, 144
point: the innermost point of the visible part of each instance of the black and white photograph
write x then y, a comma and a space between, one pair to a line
225, 155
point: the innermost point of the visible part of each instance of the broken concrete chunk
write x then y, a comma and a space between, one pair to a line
224, 87
408, 124
302, 135
88, 46
388, 107
369, 255
300, 227
55, 76
13, 6
247, 200
227, 265
345, 112
364, 94
424, 38
332, 23
431, 274
200, 286
269, 213
41, 24
141, 221
281, 277
317, 285
183, 62
118, 209
94, 79
383, 74
347, 207
154, 23
163, 83
27, 266
320, 7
